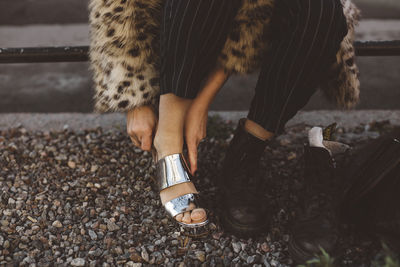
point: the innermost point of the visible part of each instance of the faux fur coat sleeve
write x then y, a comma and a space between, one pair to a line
124, 51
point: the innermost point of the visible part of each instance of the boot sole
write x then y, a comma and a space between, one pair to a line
242, 230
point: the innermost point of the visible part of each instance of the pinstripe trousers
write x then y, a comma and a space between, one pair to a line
305, 37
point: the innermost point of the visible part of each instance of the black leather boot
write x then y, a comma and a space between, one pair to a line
316, 224
244, 208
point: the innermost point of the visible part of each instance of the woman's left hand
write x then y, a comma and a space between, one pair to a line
195, 130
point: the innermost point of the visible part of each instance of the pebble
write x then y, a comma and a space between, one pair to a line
265, 247
92, 235
250, 259
200, 255
32, 219
71, 164
236, 247
274, 263
97, 187
94, 168
145, 255
78, 262
111, 226
57, 224
208, 248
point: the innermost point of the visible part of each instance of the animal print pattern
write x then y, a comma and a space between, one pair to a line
343, 84
248, 37
124, 51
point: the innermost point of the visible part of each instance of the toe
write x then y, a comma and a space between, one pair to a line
179, 217
198, 215
186, 217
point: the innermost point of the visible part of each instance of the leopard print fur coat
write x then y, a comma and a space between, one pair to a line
125, 63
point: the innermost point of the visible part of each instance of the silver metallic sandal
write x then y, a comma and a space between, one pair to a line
173, 170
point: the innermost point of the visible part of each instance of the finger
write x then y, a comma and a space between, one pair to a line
135, 141
192, 151
146, 142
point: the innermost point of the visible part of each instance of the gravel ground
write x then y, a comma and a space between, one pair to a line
86, 198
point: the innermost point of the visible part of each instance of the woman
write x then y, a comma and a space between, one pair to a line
163, 61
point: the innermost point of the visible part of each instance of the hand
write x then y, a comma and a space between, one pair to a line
141, 124
195, 131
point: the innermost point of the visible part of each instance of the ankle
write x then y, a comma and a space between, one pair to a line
257, 130
167, 145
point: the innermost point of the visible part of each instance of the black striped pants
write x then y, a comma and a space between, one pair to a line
306, 35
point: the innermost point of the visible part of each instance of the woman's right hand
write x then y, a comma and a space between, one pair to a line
141, 126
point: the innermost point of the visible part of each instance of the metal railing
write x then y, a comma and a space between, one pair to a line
80, 53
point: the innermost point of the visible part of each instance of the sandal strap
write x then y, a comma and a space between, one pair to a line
172, 170
180, 204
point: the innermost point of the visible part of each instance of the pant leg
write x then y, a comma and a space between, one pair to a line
306, 36
193, 33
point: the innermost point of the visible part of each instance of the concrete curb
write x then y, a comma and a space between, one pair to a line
79, 121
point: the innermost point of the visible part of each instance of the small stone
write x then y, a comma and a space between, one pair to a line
145, 255
251, 259
266, 263
32, 219
71, 164
78, 262
274, 263
57, 224
285, 142
92, 235
208, 248
236, 247
111, 226
94, 168
118, 250
200, 255
217, 235
292, 156
133, 264
135, 257
265, 247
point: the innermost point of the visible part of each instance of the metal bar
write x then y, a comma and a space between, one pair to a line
80, 53
44, 54
378, 48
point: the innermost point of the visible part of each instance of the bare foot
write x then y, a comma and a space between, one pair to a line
195, 215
